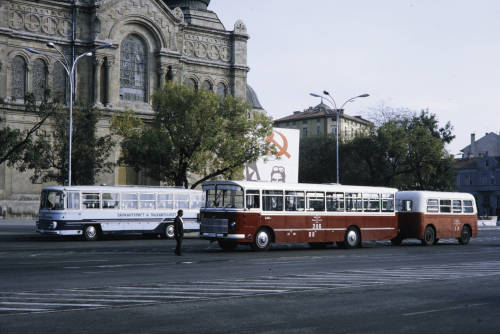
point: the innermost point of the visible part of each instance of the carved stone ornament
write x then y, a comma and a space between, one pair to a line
178, 14
39, 19
240, 27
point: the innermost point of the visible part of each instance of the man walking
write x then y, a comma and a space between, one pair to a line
178, 232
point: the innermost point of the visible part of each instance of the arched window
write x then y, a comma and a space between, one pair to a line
39, 79
60, 83
18, 78
192, 83
133, 69
207, 85
221, 90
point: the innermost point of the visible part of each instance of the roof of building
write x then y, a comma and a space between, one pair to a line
320, 111
489, 143
252, 99
192, 4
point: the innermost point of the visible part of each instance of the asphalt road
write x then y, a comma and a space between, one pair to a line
135, 284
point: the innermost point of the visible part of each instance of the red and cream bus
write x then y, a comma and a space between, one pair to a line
261, 213
430, 216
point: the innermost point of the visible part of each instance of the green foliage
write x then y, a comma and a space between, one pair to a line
406, 152
193, 133
47, 155
14, 143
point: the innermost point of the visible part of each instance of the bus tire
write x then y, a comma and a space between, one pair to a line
90, 233
352, 238
262, 240
397, 241
429, 236
169, 231
465, 235
227, 246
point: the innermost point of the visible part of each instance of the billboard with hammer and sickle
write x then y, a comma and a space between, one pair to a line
282, 167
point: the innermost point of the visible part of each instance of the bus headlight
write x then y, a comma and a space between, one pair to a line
53, 225
232, 226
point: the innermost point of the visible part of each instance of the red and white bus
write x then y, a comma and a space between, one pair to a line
262, 213
430, 216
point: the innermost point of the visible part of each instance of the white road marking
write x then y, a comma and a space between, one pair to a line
51, 304
452, 308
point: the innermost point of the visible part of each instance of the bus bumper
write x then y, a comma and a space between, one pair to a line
222, 236
59, 232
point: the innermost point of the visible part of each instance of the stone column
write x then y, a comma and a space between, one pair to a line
108, 66
98, 61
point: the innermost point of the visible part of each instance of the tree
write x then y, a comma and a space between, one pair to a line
407, 151
14, 142
193, 133
47, 155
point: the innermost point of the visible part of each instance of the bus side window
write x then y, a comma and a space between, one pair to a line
316, 201
388, 202
335, 201
253, 199
91, 201
457, 206
110, 201
272, 200
468, 207
432, 205
445, 205
73, 200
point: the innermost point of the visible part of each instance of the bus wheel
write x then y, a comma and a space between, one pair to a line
465, 235
429, 236
352, 238
90, 233
227, 245
169, 231
262, 240
397, 241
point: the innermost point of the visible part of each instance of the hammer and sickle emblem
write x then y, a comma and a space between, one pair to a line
283, 149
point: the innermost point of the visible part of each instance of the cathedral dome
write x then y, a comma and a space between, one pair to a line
191, 4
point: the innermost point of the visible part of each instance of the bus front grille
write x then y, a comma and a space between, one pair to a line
213, 225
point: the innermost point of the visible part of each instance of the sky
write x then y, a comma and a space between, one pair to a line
441, 55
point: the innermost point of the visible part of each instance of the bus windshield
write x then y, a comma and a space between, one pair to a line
224, 196
52, 200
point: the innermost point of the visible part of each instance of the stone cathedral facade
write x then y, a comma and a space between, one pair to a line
152, 41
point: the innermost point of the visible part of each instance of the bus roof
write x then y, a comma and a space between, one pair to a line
422, 195
333, 187
106, 188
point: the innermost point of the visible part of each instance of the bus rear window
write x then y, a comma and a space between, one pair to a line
52, 200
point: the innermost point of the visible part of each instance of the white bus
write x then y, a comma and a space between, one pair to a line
91, 211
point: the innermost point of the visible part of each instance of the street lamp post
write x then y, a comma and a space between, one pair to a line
330, 99
69, 67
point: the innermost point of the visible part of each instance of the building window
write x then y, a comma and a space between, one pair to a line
318, 130
39, 79
207, 86
304, 132
221, 90
133, 69
60, 83
18, 78
192, 83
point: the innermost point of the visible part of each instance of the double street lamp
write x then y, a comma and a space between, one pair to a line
326, 95
69, 67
